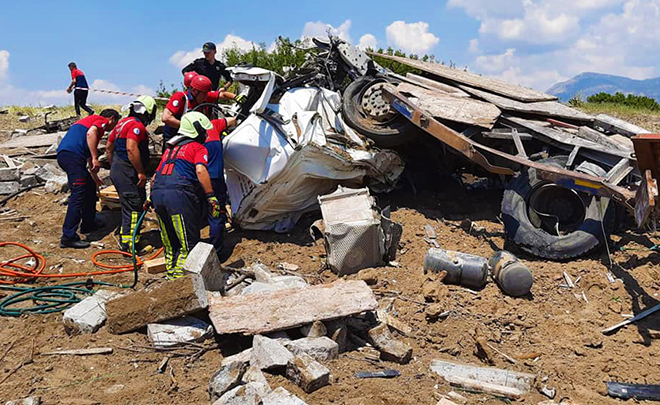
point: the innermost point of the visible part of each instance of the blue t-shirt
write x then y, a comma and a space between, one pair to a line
75, 140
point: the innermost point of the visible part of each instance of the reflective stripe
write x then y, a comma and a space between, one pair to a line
179, 227
169, 253
128, 238
174, 273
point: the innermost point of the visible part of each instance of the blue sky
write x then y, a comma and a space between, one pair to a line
130, 46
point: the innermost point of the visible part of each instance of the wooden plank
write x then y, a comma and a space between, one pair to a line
620, 171
518, 142
470, 79
497, 390
9, 161
507, 136
32, 141
599, 138
155, 266
542, 108
285, 309
80, 352
611, 124
435, 85
457, 109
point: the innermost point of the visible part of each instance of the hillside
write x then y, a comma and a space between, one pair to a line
592, 83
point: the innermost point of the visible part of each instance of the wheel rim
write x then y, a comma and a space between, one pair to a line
376, 111
556, 210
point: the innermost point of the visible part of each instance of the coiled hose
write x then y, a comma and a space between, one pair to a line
57, 298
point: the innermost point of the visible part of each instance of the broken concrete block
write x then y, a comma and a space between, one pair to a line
203, 260
242, 357
248, 394
269, 353
181, 330
390, 348
253, 374
262, 273
319, 348
225, 379
290, 308
316, 329
275, 284
280, 396
24, 118
27, 181
258, 287
160, 302
338, 332
521, 382
88, 315
36, 400
307, 373
10, 174
57, 184
290, 281
9, 187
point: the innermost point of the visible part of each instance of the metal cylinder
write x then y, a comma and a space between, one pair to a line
462, 268
513, 277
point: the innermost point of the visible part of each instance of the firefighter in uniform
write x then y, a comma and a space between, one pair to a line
129, 155
179, 182
183, 101
216, 173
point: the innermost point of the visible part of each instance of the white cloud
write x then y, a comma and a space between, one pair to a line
537, 43
367, 41
182, 58
4, 64
320, 29
411, 38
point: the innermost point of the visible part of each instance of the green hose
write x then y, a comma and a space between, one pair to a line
59, 297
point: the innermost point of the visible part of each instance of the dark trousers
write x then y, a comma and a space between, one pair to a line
80, 101
131, 198
217, 225
82, 202
179, 216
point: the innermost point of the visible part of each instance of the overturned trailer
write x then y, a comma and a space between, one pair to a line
567, 173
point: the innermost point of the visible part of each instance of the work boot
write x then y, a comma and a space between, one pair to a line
75, 244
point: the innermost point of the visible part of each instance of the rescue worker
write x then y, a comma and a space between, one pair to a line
183, 101
79, 83
215, 168
128, 148
210, 67
77, 152
179, 182
187, 79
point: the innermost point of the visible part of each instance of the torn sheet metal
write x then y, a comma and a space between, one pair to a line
285, 155
356, 235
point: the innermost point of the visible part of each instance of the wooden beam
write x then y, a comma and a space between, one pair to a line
285, 309
611, 124
457, 76
519, 145
458, 109
432, 84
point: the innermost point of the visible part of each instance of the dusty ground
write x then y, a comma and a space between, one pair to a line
552, 333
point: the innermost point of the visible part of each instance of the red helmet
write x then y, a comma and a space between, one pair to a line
201, 83
187, 78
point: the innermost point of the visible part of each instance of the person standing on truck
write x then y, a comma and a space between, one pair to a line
79, 83
210, 67
183, 101
179, 182
129, 153
78, 156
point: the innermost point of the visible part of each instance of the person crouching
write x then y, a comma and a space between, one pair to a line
176, 189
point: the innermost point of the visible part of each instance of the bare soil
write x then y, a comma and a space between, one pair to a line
554, 333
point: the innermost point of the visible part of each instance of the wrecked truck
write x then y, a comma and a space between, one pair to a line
569, 177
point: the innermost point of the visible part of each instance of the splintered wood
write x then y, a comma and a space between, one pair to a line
109, 198
285, 309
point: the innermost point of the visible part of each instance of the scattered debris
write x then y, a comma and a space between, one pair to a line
634, 391
639, 316
307, 373
320, 348
286, 309
510, 274
378, 374
280, 396
203, 261
390, 348
181, 330
155, 266
80, 352
268, 353
548, 392
226, 378
461, 268
315, 329
88, 315
36, 400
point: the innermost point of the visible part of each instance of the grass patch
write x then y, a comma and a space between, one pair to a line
615, 109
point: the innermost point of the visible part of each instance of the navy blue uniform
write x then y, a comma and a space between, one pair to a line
216, 173
125, 177
80, 93
175, 196
72, 154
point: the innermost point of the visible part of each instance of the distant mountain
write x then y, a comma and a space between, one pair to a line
593, 83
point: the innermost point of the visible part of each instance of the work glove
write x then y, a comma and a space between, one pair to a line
240, 99
147, 205
215, 208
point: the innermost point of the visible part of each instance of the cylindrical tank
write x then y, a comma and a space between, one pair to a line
513, 277
462, 268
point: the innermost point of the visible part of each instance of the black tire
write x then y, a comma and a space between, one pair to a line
585, 235
395, 132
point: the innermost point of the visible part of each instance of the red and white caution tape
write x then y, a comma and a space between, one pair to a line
119, 93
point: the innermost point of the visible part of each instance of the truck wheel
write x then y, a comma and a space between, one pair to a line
553, 222
367, 113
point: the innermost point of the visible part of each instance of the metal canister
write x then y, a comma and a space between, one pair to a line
462, 268
513, 277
